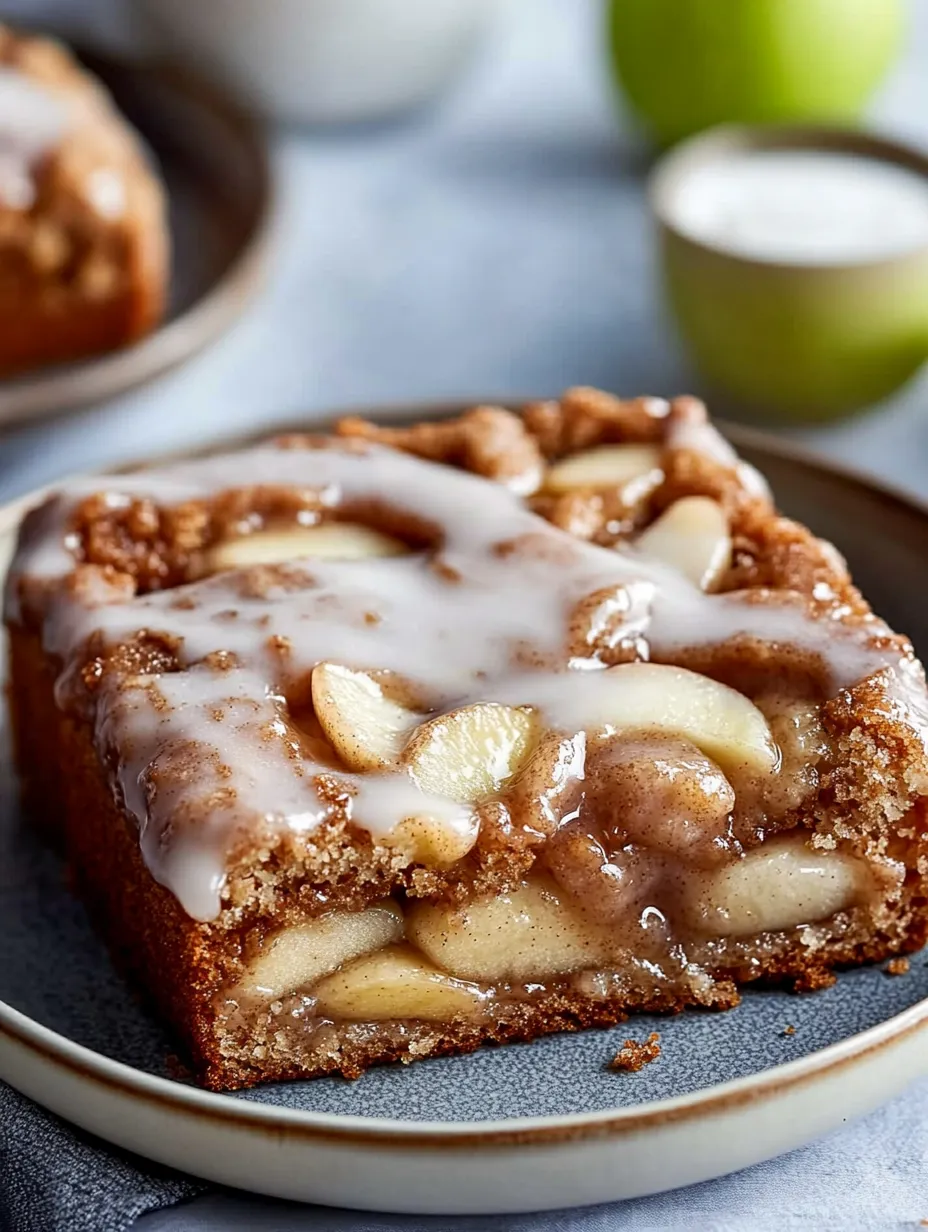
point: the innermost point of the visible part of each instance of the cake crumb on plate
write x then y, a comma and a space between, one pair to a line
633, 1056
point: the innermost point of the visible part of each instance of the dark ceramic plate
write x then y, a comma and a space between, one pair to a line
516, 1128
213, 161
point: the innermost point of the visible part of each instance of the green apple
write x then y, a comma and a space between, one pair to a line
688, 64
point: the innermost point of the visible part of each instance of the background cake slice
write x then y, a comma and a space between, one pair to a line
392, 743
84, 260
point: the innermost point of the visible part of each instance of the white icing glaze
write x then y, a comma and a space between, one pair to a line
105, 189
487, 625
33, 121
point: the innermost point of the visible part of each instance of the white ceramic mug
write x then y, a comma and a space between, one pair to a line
321, 60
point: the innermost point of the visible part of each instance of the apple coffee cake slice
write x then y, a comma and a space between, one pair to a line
84, 238
388, 743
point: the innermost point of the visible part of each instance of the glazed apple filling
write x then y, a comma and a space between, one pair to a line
439, 962
653, 816
655, 849
646, 855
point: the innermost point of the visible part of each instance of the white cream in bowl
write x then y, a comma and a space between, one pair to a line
806, 207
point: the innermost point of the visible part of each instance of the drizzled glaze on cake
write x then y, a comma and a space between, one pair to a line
487, 614
33, 122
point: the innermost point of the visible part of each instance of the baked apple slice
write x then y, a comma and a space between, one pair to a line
604, 466
367, 729
303, 953
658, 697
398, 983
781, 884
531, 933
468, 754
692, 536
325, 541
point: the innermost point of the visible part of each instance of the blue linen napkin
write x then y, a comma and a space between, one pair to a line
54, 1178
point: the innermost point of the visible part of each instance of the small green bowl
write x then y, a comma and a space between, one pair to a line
785, 341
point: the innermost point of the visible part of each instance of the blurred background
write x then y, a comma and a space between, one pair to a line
462, 206
494, 200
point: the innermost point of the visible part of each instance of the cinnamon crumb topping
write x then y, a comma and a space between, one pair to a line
487, 440
814, 980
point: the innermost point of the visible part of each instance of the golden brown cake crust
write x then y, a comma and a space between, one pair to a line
84, 255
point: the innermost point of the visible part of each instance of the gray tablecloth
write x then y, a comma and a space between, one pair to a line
53, 1178
498, 243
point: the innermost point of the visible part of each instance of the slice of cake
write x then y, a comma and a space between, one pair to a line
83, 236
386, 744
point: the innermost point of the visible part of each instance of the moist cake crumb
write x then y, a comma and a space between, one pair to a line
789, 1030
633, 1056
898, 966
814, 979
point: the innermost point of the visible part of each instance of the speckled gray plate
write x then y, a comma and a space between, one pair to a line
518, 1128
